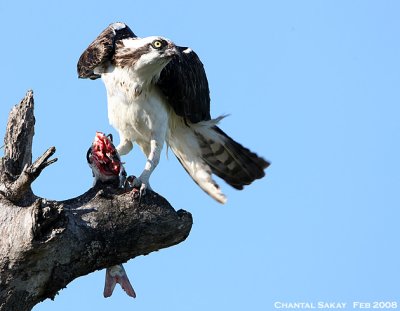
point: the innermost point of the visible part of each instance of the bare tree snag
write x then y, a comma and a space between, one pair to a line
45, 244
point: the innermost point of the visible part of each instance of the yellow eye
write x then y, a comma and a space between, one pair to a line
157, 44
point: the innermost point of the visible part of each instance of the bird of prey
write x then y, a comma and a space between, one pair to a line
158, 92
106, 166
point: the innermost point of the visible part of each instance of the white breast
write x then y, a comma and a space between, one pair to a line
135, 108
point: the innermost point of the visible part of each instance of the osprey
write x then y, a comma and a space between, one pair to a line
158, 92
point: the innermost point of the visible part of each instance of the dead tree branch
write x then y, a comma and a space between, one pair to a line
45, 244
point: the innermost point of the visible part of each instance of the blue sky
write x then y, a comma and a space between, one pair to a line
313, 86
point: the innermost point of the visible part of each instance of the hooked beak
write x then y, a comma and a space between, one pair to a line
171, 50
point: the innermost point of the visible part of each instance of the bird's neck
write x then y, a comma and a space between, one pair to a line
136, 82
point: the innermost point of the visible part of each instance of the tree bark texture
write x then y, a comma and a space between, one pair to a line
45, 244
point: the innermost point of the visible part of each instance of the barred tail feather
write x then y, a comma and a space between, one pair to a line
229, 160
204, 149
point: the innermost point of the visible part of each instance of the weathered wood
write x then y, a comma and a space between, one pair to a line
19, 136
45, 244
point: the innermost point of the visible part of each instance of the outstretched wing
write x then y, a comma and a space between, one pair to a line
101, 50
184, 83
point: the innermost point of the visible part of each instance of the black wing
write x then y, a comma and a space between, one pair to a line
184, 82
102, 49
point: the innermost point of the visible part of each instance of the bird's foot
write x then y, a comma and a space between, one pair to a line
138, 186
128, 182
142, 185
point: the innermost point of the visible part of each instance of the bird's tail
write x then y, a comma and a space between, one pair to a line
205, 150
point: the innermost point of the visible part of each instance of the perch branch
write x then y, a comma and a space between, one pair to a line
45, 244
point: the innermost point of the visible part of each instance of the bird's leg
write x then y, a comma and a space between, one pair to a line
152, 161
125, 145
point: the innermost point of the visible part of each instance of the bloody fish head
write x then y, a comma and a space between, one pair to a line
103, 158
